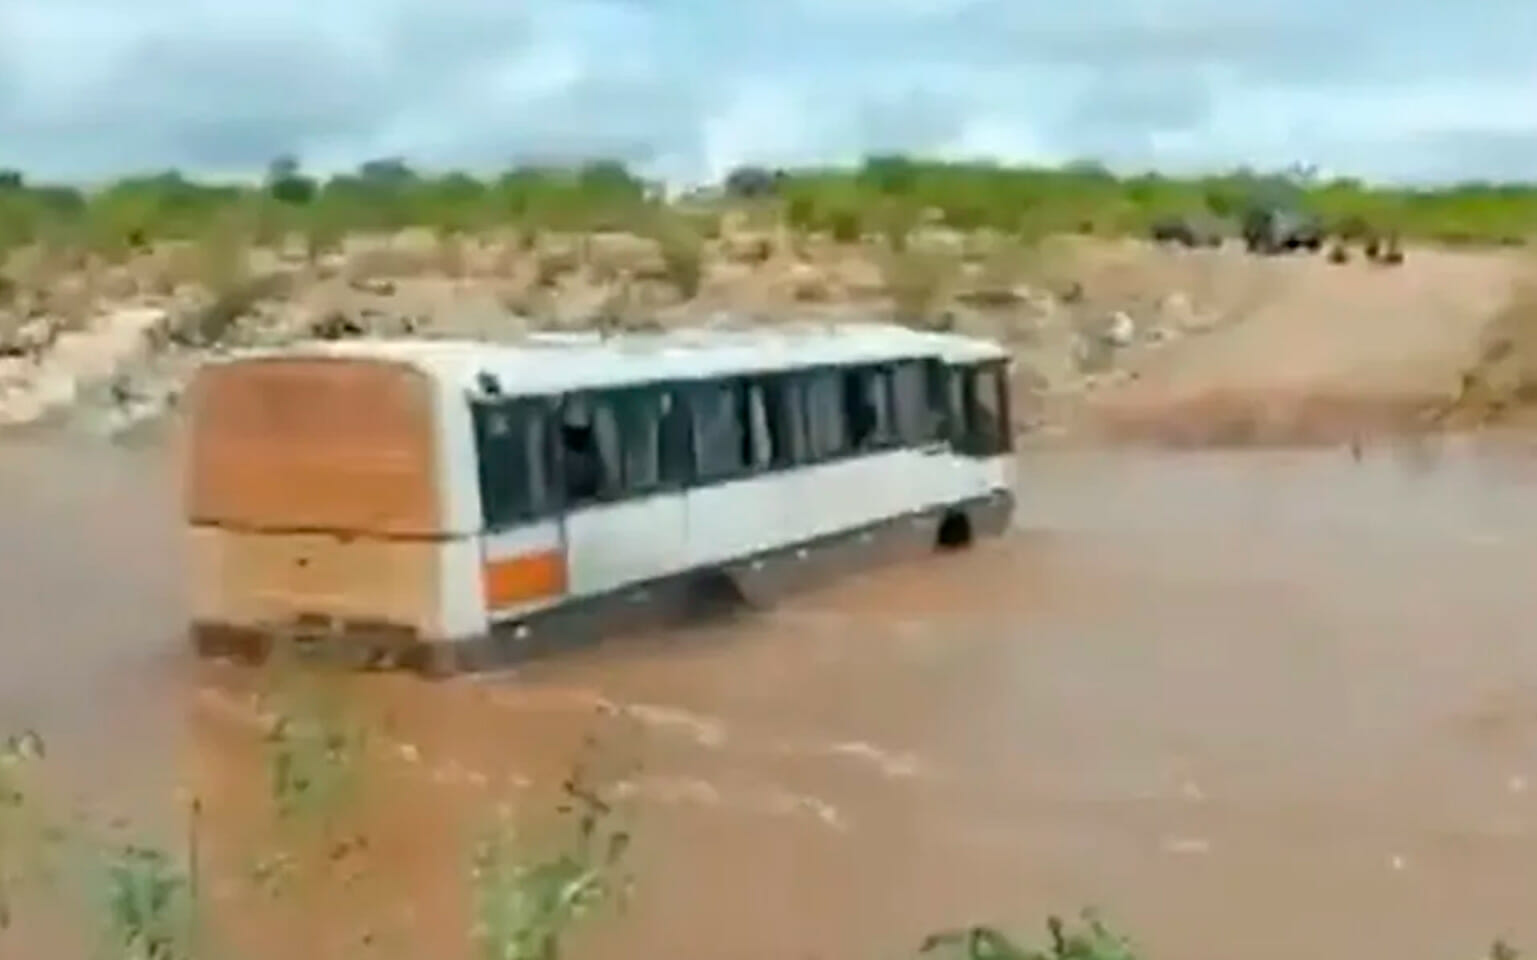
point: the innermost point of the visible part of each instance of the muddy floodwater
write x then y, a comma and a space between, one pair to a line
1250, 704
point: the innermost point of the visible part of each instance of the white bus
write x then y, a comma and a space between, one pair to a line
453, 505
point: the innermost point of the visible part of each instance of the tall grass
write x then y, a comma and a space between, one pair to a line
525, 904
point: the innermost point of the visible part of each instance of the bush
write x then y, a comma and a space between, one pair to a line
918, 283
845, 226
682, 257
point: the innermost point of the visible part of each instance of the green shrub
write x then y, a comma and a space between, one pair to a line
682, 257
844, 225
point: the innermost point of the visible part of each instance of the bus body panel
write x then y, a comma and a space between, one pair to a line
456, 457
522, 569
279, 580
463, 608
614, 544
740, 518
315, 444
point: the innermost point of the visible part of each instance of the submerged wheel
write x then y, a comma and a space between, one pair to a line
954, 531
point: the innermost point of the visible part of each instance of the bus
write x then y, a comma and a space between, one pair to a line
456, 506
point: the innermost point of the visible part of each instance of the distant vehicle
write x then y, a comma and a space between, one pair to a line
452, 506
1269, 229
1187, 231
749, 182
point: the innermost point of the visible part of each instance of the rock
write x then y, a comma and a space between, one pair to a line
1122, 331
993, 297
1176, 309
858, 277
938, 240
373, 285
336, 326
576, 305
748, 248
1092, 355
807, 284
418, 240
611, 253
29, 338
722, 278
79, 362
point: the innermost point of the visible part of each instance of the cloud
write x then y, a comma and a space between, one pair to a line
1416, 89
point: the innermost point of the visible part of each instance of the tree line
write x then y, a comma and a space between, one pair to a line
885, 194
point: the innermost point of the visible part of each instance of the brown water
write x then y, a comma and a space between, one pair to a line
1260, 704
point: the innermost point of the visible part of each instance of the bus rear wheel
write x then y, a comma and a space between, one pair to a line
954, 531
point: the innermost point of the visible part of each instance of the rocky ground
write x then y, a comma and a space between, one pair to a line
1110, 336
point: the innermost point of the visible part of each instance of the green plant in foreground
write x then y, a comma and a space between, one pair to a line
150, 906
1089, 940
525, 908
314, 755
19, 825
523, 911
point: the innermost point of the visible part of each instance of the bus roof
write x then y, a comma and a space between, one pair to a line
556, 363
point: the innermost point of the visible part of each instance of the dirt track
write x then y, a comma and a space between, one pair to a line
1309, 350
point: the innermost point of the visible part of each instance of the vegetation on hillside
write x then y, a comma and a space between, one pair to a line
885, 195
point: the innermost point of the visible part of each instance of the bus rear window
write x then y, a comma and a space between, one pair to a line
313, 444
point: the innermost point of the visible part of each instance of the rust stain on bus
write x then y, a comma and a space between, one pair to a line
332, 444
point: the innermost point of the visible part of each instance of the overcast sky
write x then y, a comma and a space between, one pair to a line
1389, 89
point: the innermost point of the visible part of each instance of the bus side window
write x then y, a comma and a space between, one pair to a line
989, 403
785, 413
979, 409
762, 444
957, 410
677, 439
590, 453
937, 378
866, 408
827, 430
640, 421
512, 441
720, 432
917, 422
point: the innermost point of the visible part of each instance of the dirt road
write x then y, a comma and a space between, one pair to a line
1303, 349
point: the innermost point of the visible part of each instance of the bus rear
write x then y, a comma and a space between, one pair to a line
315, 505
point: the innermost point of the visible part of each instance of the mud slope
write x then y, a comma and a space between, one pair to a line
1329, 351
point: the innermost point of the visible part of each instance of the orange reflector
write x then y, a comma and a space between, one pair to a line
531, 576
